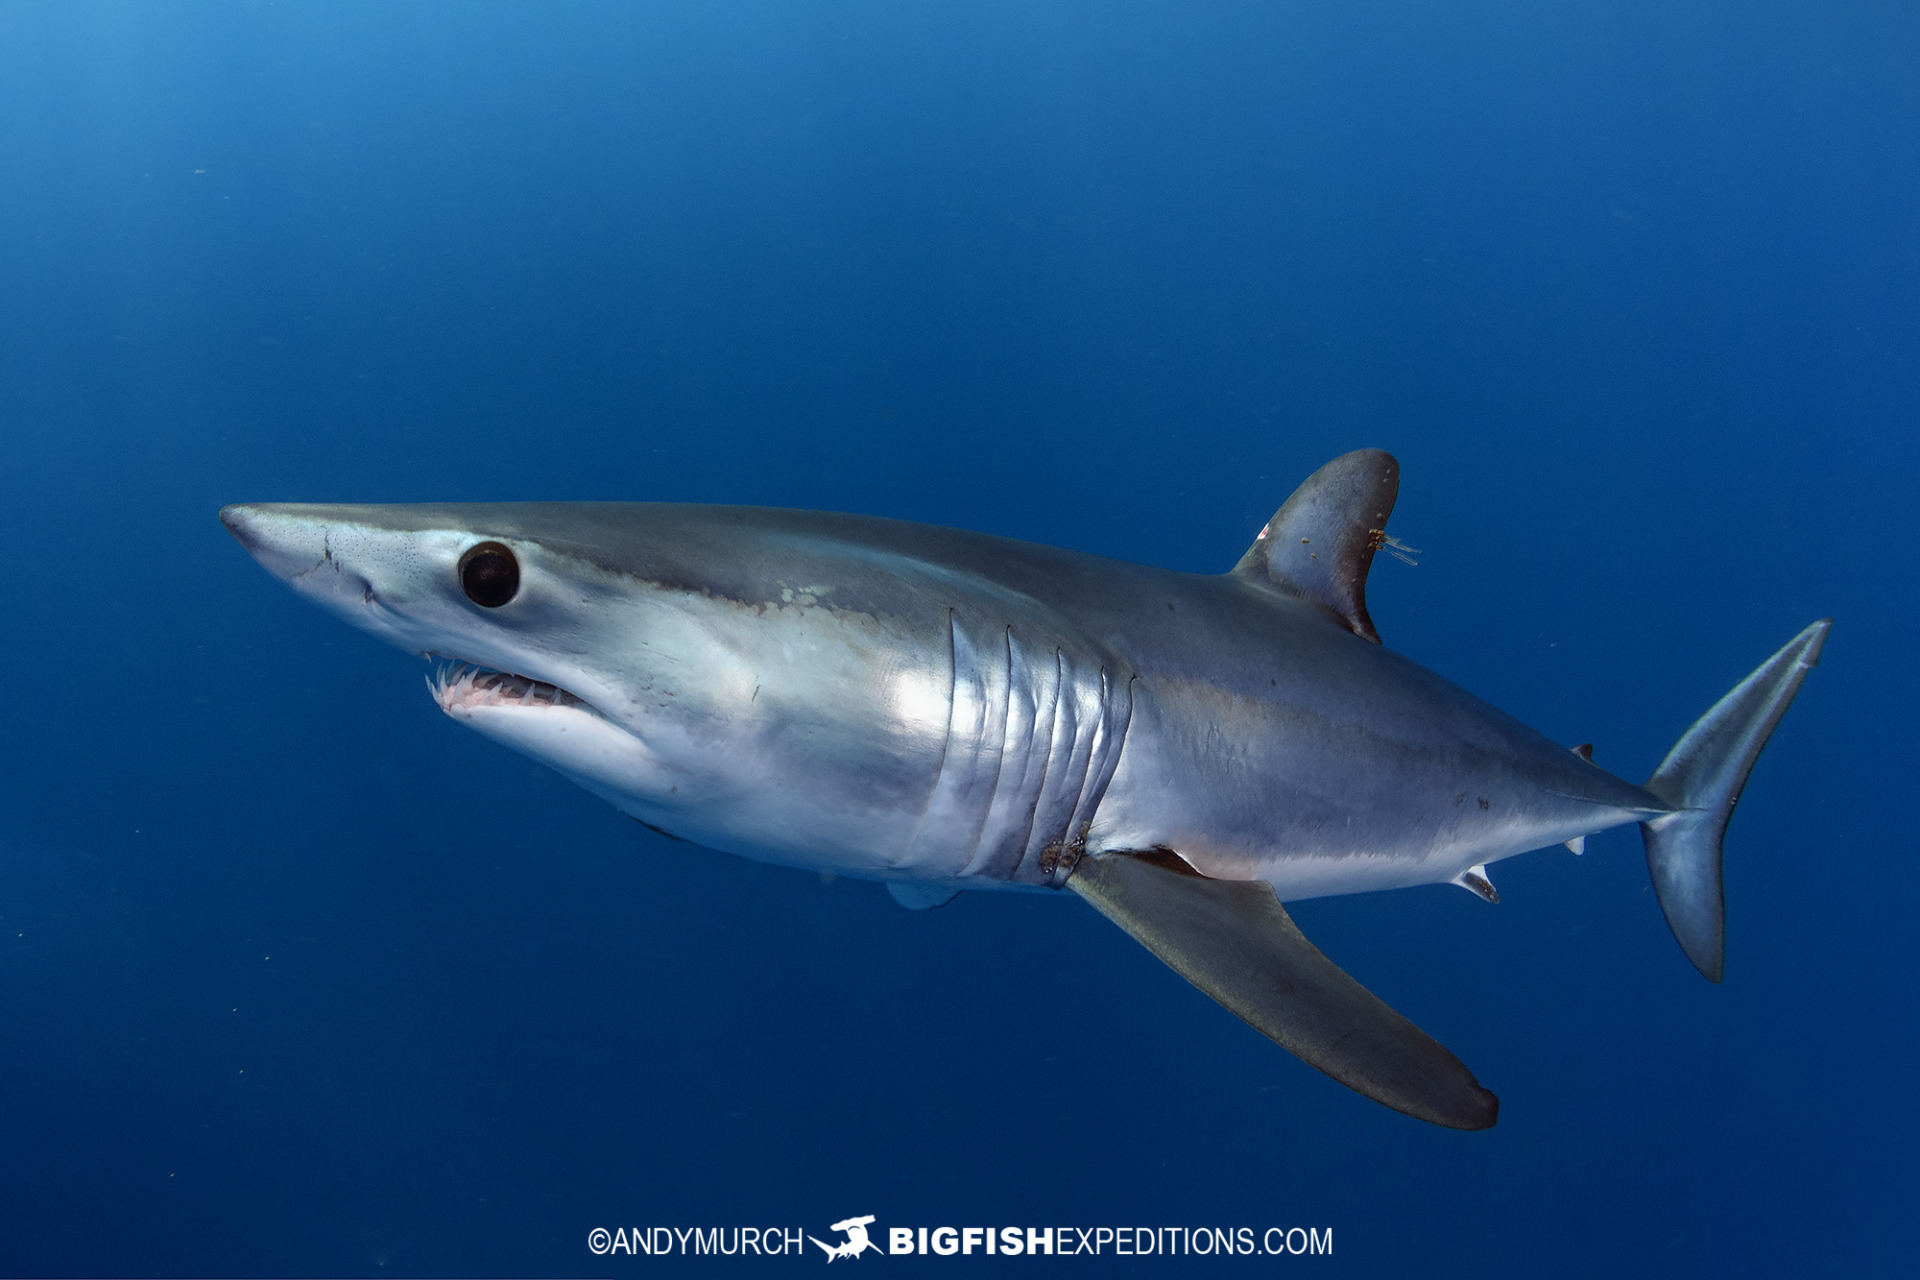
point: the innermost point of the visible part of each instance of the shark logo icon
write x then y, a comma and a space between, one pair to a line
856, 1242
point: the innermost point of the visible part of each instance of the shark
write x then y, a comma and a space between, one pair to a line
941, 710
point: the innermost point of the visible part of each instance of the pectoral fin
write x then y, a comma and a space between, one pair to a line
1234, 941
915, 896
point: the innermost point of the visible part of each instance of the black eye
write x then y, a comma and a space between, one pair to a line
489, 574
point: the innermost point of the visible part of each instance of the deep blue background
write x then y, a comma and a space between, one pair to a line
296, 976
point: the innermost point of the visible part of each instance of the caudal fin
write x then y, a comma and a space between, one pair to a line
1702, 777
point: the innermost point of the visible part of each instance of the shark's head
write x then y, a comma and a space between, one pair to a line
682, 663
543, 648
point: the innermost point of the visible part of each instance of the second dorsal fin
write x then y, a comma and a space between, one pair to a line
1320, 544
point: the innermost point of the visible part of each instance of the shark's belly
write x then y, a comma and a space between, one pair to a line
962, 744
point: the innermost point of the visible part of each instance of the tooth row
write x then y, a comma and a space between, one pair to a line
475, 685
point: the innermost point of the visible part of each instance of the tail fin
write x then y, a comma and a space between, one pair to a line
1702, 777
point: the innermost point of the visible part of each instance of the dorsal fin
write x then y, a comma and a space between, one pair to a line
1320, 544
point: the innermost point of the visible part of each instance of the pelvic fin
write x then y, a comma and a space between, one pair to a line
1474, 880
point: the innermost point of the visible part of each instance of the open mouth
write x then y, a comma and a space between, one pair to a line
462, 688
553, 726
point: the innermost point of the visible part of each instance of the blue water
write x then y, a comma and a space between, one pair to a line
299, 977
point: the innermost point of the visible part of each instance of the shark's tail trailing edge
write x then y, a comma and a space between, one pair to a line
1702, 777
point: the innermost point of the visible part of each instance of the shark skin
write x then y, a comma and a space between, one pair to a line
943, 710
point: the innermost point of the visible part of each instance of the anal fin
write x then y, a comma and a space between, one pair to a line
1234, 941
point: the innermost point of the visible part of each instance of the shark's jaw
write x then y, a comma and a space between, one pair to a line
554, 726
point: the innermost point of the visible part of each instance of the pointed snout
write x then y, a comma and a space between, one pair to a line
240, 520
314, 547
285, 543
351, 559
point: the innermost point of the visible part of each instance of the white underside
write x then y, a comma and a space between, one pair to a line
550, 725
567, 734
570, 736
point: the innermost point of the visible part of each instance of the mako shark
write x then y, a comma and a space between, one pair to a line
943, 710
